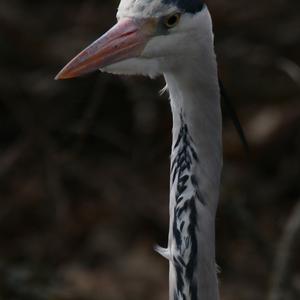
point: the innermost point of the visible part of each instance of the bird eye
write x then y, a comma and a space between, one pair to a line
172, 20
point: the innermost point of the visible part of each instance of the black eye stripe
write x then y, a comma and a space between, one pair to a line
189, 6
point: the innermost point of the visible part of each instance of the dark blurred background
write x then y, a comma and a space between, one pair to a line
84, 163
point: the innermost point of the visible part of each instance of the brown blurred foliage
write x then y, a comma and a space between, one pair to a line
84, 163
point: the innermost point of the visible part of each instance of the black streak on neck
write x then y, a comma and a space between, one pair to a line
185, 213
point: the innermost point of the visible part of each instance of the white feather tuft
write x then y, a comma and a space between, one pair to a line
163, 90
164, 252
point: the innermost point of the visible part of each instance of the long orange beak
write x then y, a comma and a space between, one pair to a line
126, 39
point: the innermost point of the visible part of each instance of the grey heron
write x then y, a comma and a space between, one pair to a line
174, 38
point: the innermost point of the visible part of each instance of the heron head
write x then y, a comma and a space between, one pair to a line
150, 37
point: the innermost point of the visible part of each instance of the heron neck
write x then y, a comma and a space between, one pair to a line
196, 163
195, 102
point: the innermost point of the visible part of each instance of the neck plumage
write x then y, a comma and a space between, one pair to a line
196, 163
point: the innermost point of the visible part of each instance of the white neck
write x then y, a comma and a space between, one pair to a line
196, 163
